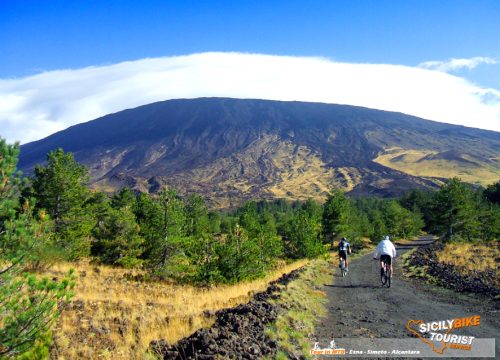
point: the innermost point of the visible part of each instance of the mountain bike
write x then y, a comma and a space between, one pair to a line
385, 274
343, 269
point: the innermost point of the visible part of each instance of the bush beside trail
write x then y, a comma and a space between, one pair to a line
238, 333
458, 278
174, 238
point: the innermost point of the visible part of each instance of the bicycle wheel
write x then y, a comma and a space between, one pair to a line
343, 271
388, 274
383, 277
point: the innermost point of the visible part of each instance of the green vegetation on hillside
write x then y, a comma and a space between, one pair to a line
54, 216
458, 212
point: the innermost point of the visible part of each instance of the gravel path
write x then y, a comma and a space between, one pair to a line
360, 308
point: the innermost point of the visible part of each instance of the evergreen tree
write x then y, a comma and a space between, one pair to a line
269, 242
492, 193
116, 233
489, 218
123, 198
149, 217
215, 222
197, 219
198, 245
60, 188
303, 234
28, 304
336, 213
314, 209
419, 202
456, 211
261, 229
164, 228
400, 222
365, 227
238, 258
379, 227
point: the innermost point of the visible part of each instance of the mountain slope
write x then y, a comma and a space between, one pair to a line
234, 149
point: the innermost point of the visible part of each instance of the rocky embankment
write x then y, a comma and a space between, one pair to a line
238, 333
449, 276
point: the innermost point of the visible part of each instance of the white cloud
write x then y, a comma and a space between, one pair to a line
36, 106
457, 64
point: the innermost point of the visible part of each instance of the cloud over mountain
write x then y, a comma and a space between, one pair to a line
458, 64
36, 106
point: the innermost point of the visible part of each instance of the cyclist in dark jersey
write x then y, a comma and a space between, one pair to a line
344, 249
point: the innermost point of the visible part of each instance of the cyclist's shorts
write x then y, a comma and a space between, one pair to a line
387, 258
343, 254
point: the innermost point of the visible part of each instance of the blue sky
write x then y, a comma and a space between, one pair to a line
41, 36
47, 35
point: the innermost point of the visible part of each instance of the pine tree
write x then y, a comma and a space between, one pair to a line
394, 215
199, 243
116, 233
379, 228
336, 215
197, 220
162, 220
60, 188
259, 225
492, 193
456, 211
123, 198
303, 234
270, 244
237, 257
28, 304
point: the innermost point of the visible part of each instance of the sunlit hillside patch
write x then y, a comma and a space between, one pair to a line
269, 165
430, 163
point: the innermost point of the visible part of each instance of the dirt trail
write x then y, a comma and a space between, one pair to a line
360, 308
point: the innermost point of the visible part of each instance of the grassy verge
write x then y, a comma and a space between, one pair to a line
304, 302
113, 316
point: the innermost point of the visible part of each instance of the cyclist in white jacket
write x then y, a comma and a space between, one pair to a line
385, 250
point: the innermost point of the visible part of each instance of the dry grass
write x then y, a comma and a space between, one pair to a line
412, 162
348, 177
301, 175
467, 257
112, 316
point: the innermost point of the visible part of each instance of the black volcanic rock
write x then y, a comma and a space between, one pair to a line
238, 332
233, 149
